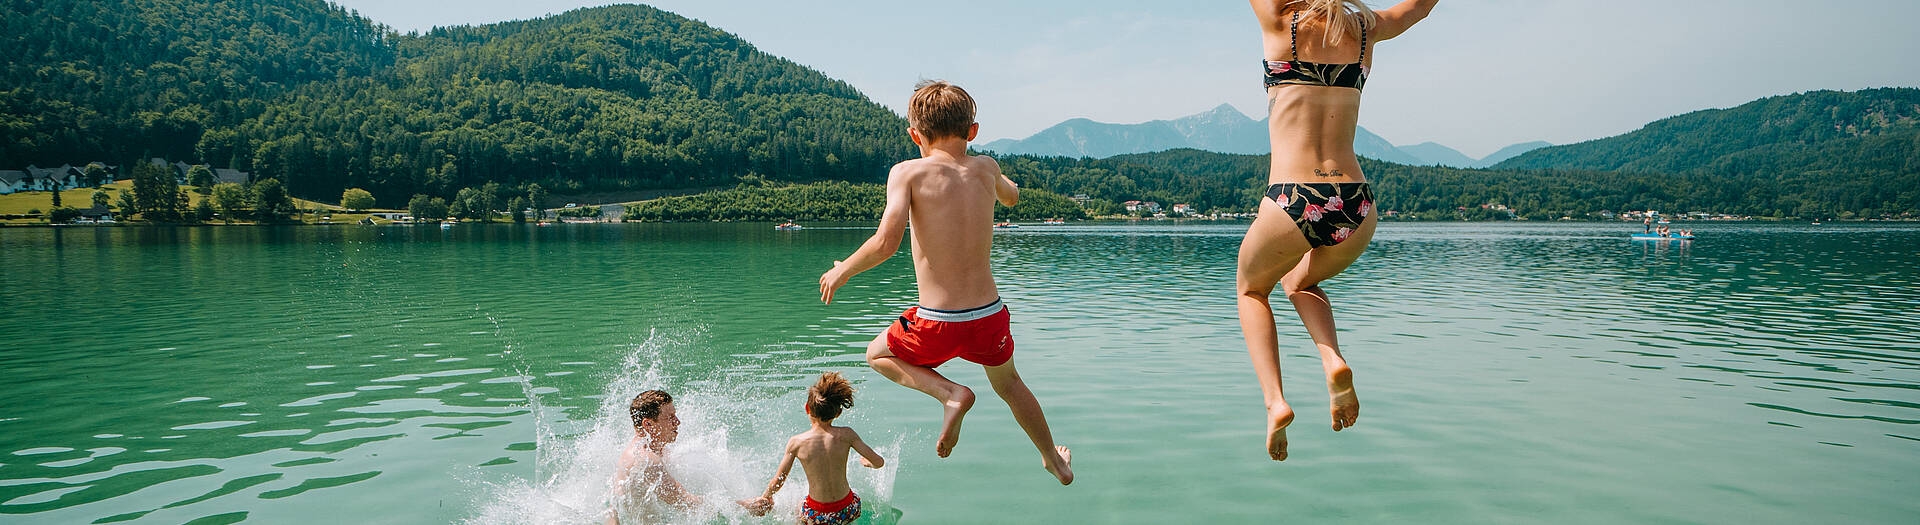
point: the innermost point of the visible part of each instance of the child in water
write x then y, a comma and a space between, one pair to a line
822, 451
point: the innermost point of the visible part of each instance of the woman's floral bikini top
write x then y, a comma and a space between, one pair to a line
1297, 72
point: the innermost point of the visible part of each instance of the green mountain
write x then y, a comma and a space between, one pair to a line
109, 80
1709, 138
614, 98
1820, 153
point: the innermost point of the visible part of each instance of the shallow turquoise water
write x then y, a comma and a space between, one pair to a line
1507, 373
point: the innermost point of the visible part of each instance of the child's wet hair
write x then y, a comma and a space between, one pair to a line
940, 109
647, 405
828, 396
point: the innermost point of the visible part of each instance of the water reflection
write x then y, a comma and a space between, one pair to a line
172, 374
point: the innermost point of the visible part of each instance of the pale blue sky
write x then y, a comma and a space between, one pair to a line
1477, 75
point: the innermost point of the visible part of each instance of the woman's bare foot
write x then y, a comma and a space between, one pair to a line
1344, 404
957, 405
1061, 466
1277, 420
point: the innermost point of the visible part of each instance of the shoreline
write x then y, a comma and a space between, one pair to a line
1035, 223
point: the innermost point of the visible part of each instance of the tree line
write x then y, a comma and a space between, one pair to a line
821, 201
614, 98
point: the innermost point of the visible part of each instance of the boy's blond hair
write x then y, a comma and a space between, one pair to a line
940, 109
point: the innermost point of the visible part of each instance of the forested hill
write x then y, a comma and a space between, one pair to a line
1873, 129
612, 98
90, 80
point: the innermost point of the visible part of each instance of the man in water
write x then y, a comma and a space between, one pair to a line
655, 425
948, 195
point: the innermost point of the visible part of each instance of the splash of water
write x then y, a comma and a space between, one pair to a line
730, 442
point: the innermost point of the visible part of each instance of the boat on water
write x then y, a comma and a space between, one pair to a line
1005, 226
787, 226
1659, 237
1053, 222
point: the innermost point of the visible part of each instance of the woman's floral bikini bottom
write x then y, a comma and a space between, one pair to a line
1326, 212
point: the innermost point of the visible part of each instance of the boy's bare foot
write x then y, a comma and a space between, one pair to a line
1062, 466
1345, 405
958, 403
1277, 420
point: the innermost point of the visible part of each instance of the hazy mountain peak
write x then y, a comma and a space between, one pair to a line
1223, 129
1221, 113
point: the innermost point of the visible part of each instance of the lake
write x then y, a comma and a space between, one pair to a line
1507, 372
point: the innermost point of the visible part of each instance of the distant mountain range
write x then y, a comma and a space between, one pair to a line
1225, 130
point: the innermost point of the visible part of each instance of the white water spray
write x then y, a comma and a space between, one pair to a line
730, 442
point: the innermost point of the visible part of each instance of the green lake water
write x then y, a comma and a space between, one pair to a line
1507, 373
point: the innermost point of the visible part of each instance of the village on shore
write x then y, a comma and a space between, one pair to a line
160, 192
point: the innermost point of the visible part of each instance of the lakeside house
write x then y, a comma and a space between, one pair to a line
220, 175
1148, 206
36, 178
68, 176
1183, 209
12, 181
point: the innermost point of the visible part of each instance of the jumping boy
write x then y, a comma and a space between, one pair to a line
948, 195
822, 451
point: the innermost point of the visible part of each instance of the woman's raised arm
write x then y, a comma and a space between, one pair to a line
1398, 19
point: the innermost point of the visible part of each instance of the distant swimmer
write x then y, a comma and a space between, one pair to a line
655, 425
1319, 211
948, 197
822, 451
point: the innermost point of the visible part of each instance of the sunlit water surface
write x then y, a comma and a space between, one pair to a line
1507, 373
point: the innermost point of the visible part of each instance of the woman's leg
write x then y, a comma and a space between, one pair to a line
1316, 312
1272, 246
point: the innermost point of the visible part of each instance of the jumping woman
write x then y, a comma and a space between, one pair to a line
1318, 213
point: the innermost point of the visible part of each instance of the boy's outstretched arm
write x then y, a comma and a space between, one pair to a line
1004, 189
780, 476
893, 225
868, 457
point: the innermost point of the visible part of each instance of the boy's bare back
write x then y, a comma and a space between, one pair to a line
947, 196
823, 454
949, 203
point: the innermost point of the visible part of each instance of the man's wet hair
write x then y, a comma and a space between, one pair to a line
647, 405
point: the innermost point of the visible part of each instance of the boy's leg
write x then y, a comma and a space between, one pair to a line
1272, 246
956, 398
1026, 411
1316, 312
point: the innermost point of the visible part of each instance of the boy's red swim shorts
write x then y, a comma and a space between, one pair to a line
928, 337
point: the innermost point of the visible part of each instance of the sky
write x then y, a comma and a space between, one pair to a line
1477, 75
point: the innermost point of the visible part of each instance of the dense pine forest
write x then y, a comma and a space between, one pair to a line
620, 98
615, 98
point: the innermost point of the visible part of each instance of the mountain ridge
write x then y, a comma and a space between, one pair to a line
1222, 129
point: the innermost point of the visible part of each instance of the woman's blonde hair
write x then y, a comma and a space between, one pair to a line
1338, 17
